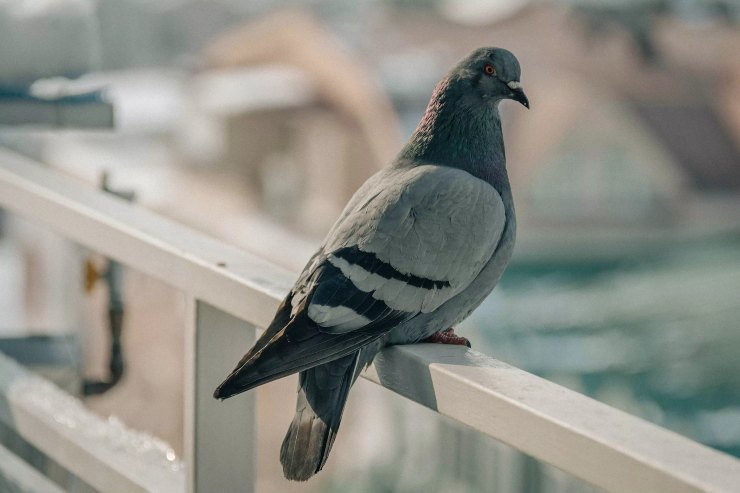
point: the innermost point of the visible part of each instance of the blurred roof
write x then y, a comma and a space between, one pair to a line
298, 39
698, 140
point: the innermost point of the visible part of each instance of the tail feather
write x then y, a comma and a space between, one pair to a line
297, 346
322, 394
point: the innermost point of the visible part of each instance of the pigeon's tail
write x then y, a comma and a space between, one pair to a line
322, 393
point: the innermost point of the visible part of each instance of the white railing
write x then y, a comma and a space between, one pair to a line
105, 454
231, 293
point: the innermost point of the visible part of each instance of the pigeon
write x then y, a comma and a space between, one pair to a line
418, 247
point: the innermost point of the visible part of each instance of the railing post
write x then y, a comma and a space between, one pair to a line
219, 436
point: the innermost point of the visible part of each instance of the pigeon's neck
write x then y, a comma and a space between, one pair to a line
460, 133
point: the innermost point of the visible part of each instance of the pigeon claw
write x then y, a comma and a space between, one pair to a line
447, 337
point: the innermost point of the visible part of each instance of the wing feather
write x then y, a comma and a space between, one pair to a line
407, 242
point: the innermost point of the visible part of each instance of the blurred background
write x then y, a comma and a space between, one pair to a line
255, 121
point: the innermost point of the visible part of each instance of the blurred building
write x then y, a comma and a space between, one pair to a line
622, 151
307, 135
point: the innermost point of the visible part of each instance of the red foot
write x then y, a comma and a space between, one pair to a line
447, 337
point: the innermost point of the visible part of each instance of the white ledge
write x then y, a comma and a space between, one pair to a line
19, 477
104, 453
602, 445
225, 277
591, 440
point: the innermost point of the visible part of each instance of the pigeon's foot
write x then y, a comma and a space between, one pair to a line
447, 337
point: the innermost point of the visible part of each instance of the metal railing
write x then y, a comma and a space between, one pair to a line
231, 293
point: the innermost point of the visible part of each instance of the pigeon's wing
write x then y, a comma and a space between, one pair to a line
415, 238
418, 242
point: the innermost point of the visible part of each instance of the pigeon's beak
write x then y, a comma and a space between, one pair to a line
517, 93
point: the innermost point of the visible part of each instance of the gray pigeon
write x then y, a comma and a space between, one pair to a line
419, 246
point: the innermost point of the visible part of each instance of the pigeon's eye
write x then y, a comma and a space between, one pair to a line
489, 69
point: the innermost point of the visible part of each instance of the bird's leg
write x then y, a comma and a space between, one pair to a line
447, 336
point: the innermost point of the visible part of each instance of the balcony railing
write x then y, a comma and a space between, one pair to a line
231, 294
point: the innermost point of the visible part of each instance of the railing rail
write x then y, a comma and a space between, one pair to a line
232, 292
107, 456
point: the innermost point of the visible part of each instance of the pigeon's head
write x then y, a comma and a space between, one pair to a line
490, 74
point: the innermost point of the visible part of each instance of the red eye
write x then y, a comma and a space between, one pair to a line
489, 69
